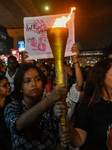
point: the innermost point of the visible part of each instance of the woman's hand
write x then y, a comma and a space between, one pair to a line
59, 93
109, 138
66, 136
24, 56
75, 51
60, 109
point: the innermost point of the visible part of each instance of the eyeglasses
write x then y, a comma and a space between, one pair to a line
5, 85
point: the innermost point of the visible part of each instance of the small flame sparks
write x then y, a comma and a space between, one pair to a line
61, 22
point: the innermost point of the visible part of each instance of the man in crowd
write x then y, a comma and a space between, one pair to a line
11, 70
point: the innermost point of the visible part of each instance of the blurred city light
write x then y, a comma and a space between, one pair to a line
46, 8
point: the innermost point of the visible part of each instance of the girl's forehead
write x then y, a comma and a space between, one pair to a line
31, 72
4, 79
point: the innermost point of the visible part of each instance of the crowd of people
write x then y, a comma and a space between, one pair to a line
31, 106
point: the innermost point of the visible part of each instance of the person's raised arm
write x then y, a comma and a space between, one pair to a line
78, 72
24, 57
28, 118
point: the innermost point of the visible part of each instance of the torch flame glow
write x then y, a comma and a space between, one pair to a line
61, 22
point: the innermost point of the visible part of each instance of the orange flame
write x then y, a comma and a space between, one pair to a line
61, 22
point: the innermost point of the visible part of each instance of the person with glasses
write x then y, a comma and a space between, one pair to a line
5, 91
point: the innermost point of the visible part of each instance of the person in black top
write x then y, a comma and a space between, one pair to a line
93, 116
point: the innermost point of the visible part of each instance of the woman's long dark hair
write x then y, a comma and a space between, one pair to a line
95, 80
8, 98
2, 76
19, 78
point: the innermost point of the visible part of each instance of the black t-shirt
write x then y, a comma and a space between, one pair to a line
95, 120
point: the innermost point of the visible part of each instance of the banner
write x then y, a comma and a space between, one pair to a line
35, 34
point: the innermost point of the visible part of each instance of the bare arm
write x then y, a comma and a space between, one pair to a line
24, 56
78, 72
28, 118
73, 136
109, 138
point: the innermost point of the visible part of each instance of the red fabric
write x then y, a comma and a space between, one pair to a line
48, 86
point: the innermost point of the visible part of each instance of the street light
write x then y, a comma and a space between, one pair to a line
46, 8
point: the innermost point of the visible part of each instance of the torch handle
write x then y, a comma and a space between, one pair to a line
60, 78
63, 119
63, 122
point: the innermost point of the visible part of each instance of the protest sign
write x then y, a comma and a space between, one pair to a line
35, 33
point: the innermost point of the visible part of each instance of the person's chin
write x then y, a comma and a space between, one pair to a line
36, 95
8, 93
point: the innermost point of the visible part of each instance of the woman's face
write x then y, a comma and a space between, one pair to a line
32, 85
44, 70
108, 79
5, 89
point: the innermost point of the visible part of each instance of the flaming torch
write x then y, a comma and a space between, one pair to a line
57, 36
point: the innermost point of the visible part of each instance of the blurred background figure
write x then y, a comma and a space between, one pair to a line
11, 70
5, 91
2, 67
108, 54
48, 87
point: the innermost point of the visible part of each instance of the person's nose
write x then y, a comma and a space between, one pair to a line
33, 83
8, 85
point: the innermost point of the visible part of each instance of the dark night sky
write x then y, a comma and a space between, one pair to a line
93, 21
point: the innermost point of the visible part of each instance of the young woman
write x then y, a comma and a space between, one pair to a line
5, 91
29, 117
94, 114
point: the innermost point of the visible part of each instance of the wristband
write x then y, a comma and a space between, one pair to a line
75, 62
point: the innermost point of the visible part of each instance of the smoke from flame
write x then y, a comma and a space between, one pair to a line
61, 22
